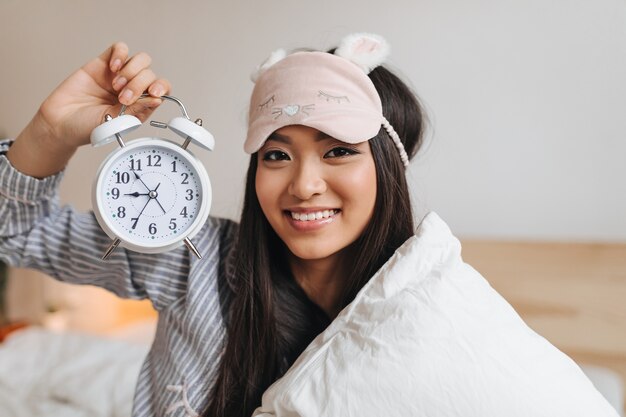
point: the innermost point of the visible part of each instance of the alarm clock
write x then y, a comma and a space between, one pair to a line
151, 195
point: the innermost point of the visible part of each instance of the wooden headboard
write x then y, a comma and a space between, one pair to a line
572, 294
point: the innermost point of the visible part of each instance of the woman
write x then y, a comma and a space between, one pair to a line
359, 190
326, 207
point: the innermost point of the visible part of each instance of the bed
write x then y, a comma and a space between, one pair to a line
70, 374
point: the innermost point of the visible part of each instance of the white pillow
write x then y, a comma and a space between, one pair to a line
428, 336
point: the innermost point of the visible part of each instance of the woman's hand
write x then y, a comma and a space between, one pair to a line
80, 103
66, 118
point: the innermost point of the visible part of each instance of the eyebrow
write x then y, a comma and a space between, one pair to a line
287, 139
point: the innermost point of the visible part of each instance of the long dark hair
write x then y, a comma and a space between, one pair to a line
270, 319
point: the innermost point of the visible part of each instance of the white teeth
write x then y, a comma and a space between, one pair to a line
318, 215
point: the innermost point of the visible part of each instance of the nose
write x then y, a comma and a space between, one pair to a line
308, 181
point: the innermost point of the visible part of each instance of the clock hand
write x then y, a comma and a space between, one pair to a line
155, 199
160, 205
139, 178
144, 184
136, 194
137, 218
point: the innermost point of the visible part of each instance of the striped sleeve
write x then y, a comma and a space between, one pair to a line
35, 232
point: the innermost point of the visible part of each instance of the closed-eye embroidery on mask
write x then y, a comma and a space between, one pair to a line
334, 99
266, 103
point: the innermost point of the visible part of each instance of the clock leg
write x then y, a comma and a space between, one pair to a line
120, 141
188, 139
111, 249
192, 248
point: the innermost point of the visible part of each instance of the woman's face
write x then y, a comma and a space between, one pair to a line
318, 193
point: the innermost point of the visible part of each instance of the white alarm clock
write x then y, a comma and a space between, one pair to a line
151, 195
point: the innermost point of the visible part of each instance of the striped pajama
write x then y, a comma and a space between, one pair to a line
189, 294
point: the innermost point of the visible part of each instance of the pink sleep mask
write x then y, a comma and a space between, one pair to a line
329, 92
314, 89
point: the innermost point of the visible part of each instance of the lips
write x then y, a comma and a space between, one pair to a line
311, 218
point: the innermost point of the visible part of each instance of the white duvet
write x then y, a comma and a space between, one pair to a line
67, 375
428, 336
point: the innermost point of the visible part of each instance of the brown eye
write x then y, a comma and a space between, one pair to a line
275, 156
339, 152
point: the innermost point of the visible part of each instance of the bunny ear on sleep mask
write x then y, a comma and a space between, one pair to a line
363, 49
274, 57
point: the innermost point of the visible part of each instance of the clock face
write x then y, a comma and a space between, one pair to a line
151, 193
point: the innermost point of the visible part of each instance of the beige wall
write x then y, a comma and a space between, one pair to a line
526, 97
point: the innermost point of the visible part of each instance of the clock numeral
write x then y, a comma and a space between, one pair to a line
121, 212
157, 160
174, 166
116, 193
186, 177
184, 212
122, 177
152, 228
189, 194
133, 163
134, 220
173, 224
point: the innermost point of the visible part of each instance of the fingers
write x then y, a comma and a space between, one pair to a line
159, 87
135, 87
136, 77
142, 109
115, 56
132, 76
144, 81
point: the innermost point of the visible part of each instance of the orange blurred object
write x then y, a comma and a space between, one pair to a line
7, 329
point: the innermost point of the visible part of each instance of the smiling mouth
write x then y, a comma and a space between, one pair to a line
313, 215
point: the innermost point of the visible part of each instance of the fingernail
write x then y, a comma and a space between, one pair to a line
156, 90
116, 65
125, 96
119, 82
